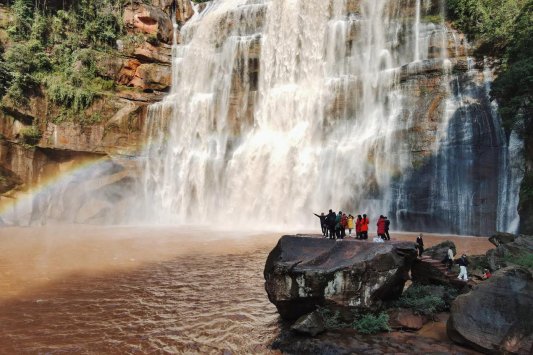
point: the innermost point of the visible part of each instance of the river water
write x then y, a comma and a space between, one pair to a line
76, 289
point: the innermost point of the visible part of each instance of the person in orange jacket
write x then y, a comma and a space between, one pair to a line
364, 227
358, 224
381, 227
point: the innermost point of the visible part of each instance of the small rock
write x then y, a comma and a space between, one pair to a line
406, 319
310, 324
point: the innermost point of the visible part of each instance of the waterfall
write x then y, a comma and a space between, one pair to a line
283, 108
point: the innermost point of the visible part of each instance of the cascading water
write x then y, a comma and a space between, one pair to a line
282, 108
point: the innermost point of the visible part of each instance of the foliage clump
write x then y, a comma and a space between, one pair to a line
372, 324
56, 48
30, 135
426, 300
364, 323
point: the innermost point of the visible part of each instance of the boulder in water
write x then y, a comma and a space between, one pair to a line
496, 316
502, 238
303, 272
309, 324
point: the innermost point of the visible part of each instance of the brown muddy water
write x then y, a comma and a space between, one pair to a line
76, 289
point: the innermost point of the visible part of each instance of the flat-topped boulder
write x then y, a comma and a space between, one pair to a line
303, 272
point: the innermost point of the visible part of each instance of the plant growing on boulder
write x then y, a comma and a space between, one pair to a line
30, 135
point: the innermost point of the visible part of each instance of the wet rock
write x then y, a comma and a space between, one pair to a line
496, 316
302, 272
502, 238
309, 324
439, 251
149, 77
142, 18
406, 319
183, 8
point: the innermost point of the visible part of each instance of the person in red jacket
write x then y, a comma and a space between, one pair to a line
358, 224
381, 227
364, 227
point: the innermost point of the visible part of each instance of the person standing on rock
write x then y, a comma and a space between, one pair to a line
350, 224
387, 225
338, 219
449, 259
323, 224
364, 227
330, 220
420, 244
381, 227
463, 263
344, 225
358, 224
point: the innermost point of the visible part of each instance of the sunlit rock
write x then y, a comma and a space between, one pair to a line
303, 272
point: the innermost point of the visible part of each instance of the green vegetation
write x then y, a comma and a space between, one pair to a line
504, 29
426, 300
525, 259
372, 324
30, 135
364, 324
58, 49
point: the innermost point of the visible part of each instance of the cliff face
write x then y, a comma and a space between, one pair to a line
442, 165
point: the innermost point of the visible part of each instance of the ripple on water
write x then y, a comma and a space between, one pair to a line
194, 303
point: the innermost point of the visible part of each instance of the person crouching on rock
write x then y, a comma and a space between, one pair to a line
463, 263
358, 224
323, 224
364, 227
381, 227
486, 274
420, 244
330, 221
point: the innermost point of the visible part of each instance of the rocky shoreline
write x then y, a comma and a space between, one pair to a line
342, 292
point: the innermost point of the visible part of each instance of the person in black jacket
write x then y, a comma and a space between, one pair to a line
420, 244
387, 225
323, 224
463, 263
330, 221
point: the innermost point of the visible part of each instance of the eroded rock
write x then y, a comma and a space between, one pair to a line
142, 18
495, 317
303, 272
152, 77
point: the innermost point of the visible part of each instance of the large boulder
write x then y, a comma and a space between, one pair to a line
439, 251
502, 238
302, 272
507, 252
496, 316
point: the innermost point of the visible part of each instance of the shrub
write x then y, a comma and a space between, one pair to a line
372, 324
426, 300
30, 135
524, 259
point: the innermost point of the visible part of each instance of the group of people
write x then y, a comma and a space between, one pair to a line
334, 225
